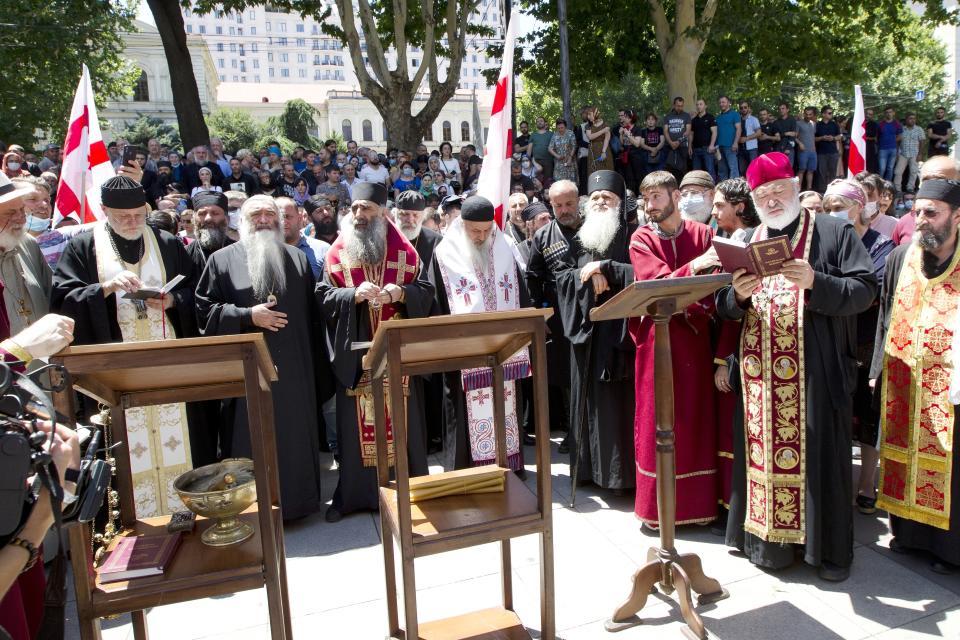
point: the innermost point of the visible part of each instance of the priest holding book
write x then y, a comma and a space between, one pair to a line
797, 358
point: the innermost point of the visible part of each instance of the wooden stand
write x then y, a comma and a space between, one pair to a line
661, 299
447, 343
138, 374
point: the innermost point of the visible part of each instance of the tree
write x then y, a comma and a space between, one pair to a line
642, 94
295, 122
236, 129
45, 44
145, 127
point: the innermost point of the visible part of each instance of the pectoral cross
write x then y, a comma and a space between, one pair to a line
22, 310
401, 266
506, 285
463, 288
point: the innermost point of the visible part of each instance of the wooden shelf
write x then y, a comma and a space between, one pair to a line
487, 624
216, 571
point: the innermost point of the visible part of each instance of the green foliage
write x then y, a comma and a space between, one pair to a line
146, 127
236, 128
642, 94
45, 44
295, 122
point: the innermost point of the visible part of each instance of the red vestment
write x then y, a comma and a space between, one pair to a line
654, 257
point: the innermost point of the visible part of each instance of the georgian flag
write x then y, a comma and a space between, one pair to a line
86, 164
857, 160
494, 181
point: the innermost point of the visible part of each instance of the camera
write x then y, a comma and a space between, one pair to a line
26, 465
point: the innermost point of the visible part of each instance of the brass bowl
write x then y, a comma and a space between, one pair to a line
221, 491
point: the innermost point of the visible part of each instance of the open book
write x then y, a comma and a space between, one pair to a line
763, 257
149, 292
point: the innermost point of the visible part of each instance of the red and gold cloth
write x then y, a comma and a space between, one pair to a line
916, 420
400, 266
772, 372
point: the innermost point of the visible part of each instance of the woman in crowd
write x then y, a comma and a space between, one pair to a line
563, 147
448, 164
266, 185
206, 182
599, 135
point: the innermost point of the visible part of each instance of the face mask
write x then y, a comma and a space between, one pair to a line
843, 215
694, 207
408, 172
908, 205
525, 164
13, 166
393, 162
36, 224
901, 207
869, 211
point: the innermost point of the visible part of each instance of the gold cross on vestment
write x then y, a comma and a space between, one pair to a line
401, 266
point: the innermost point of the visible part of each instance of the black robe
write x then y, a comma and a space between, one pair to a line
456, 437
425, 244
348, 322
224, 299
198, 255
77, 293
945, 545
602, 358
844, 285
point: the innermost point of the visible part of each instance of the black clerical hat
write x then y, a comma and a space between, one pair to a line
532, 210
209, 199
164, 163
477, 209
605, 180
121, 192
372, 191
313, 203
410, 201
946, 190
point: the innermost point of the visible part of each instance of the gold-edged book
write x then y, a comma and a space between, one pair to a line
485, 479
763, 257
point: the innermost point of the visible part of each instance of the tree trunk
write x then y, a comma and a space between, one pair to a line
680, 69
186, 97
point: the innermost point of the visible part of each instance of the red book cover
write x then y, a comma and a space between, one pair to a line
763, 257
138, 557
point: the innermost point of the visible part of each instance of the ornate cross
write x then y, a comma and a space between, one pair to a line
506, 285
481, 396
597, 179
463, 288
402, 267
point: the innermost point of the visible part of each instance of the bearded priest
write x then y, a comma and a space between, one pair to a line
474, 271
372, 274
122, 255
792, 481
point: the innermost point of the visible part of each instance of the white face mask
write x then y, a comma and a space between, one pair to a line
843, 215
695, 207
869, 211
13, 166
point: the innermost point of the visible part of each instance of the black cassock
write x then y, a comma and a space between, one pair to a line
456, 437
425, 244
602, 354
844, 285
77, 293
348, 322
912, 534
224, 299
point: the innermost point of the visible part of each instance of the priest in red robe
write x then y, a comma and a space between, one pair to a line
670, 247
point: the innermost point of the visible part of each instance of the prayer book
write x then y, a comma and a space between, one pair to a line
149, 292
139, 557
763, 257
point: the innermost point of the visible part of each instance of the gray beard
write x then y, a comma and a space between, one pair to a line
411, 234
791, 212
599, 228
212, 239
368, 246
480, 255
9, 240
265, 253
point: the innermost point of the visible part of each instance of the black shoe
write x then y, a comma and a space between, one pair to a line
833, 573
718, 528
865, 505
333, 515
650, 528
943, 568
619, 493
528, 440
564, 446
898, 547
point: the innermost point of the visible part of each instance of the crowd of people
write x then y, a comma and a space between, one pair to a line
776, 379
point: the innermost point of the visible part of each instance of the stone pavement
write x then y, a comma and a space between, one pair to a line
337, 589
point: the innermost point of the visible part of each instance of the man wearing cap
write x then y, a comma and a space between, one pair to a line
51, 157
475, 271
450, 208
26, 276
792, 481
696, 197
670, 246
595, 268
210, 225
372, 273
916, 362
262, 285
323, 215
408, 212
98, 269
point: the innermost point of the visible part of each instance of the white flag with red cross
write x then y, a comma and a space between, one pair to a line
86, 164
494, 181
857, 160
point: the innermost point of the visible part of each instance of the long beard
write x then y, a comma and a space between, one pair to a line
365, 245
265, 255
480, 254
9, 239
599, 229
791, 210
411, 233
212, 239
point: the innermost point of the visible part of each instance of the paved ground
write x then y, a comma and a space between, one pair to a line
337, 591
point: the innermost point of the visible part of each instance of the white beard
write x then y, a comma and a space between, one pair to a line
791, 211
599, 228
411, 234
365, 247
265, 255
702, 217
480, 254
9, 240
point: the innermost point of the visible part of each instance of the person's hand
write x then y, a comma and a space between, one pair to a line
721, 379
734, 147
839, 170
65, 450
707, 260
711, 149
599, 283
161, 303
689, 151
134, 172
265, 318
675, 144
589, 270
366, 292
123, 281
603, 156
390, 293
799, 272
800, 146
744, 284
45, 337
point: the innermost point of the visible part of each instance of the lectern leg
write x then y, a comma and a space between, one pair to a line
139, 620
506, 574
694, 623
708, 589
644, 582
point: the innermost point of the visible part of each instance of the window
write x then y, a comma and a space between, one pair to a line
187, 13
219, 31
233, 31
301, 58
367, 131
141, 92
465, 131
316, 74
428, 134
239, 31
300, 28
243, 67
253, 32
189, 28
243, 78
233, 47
269, 56
316, 59
282, 42
241, 50
269, 27
220, 62
282, 27
253, 47
236, 78
256, 78
302, 73
316, 44
270, 72
446, 130
315, 30
346, 128
203, 29
233, 63
386, 134
474, 72
284, 57
223, 78
252, 15
301, 42
416, 63
219, 46
474, 58
218, 14
284, 73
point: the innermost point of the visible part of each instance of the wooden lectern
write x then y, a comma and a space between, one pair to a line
137, 374
661, 299
448, 343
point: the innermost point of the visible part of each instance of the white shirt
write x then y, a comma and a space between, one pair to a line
450, 167
371, 174
752, 125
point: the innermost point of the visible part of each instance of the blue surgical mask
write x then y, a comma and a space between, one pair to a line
36, 224
408, 171
843, 215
